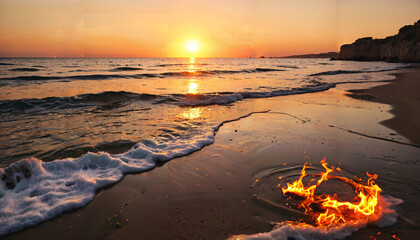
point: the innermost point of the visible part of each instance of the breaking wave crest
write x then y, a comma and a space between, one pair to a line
107, 98
60, 103
336, 72
32, 191
227, 98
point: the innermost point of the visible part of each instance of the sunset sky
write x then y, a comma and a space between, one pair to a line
223, 28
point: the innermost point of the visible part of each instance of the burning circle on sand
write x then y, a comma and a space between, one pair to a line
321, 198
326, 209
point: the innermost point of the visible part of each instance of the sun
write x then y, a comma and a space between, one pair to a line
192, 45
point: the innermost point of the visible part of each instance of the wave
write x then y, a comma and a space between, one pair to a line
266, 70
213, 72
288, 66
231, 97
32, 191
118, 69
136, 76
181, 64
336, 72
76, 77
76, 151
60, 103
292, 230
6, 64
70, 66
33, 105
24, 69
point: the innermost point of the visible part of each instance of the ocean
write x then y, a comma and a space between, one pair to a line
70, 126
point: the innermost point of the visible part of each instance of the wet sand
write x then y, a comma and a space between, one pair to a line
210, 194
404, 95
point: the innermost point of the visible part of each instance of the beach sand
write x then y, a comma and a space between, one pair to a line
211, 194
404, 96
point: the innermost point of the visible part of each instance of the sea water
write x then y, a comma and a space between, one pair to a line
70, 126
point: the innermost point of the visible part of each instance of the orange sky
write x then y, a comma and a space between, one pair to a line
224, 28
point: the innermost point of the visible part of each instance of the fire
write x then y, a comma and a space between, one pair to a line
327, 210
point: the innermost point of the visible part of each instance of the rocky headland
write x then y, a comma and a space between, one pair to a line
402, 47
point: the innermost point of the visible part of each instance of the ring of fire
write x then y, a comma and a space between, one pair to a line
326, 210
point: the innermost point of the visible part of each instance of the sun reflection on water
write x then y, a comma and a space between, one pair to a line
192, 68
193, 87
192, 113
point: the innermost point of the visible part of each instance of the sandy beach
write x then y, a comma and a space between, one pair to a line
404, 96
210, 194
208, 120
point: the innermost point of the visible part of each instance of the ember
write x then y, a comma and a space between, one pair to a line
326, 210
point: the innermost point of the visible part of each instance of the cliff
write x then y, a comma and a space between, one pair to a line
402, 47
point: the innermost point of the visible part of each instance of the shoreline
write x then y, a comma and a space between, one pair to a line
207, 194
403, 94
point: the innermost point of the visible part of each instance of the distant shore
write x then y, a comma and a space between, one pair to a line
313, 55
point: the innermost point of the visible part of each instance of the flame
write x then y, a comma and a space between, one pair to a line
325, 175
327, 210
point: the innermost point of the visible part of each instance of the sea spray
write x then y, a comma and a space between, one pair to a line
32, 191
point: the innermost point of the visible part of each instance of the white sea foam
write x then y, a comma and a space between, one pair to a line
212, 99
287, 230
32, 191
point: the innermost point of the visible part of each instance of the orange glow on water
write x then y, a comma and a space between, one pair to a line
329, 210
193, 86
192, 113
192, 69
